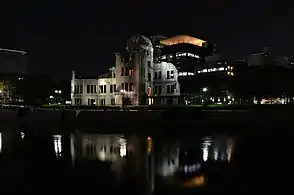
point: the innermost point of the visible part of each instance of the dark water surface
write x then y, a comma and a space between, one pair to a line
36, 161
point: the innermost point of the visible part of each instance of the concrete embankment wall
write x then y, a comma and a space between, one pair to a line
118, 121
52, 117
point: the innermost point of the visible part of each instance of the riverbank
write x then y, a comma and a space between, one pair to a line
173, 120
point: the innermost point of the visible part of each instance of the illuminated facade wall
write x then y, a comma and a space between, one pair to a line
134, 74
137, 72
217, 65
166, 81
100, 92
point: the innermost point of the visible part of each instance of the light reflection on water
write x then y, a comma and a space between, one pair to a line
162, 157
217, 148
184, 156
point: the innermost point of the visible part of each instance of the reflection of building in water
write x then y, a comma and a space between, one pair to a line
104, 147
217, 149
57, 144
168, 159
22, 135
107, 148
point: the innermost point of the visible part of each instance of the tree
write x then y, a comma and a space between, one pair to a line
3, 86
4, 90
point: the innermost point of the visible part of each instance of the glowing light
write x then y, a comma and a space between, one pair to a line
57, 144
183, 39
194, 182
204, 89
205, 153
205, 149
22, 135
149, 145
123, 147
123, 151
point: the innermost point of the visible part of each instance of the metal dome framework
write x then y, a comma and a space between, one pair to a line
137, 41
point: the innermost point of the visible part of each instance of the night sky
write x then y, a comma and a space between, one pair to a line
83, 35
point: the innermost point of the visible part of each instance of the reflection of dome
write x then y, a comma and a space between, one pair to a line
138, 42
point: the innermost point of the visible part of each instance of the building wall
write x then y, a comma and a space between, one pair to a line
140, 63
93, 91
109, 95
134, 77
167, 84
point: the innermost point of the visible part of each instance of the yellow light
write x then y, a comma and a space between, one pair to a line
183, 39
194, 182
149, 144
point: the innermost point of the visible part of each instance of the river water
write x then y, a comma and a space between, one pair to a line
78, 162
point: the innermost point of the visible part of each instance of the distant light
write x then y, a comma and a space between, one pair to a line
68, 102
204, 89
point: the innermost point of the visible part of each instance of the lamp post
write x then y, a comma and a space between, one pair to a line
122, 91
204, 90
58, 93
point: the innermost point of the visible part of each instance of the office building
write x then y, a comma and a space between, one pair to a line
267, 58
217, 65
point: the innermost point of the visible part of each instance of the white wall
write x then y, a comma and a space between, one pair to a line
141, 61
84, 96
164, 81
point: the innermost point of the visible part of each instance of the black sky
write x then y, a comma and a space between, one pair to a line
83, 35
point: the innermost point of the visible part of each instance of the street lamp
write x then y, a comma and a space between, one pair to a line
204, 90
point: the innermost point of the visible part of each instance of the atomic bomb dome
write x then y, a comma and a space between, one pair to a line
138, 42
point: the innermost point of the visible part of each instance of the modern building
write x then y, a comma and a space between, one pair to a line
216, 65
268, 57
185, 52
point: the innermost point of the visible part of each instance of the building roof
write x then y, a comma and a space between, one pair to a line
138, 41
12, 51
183, 39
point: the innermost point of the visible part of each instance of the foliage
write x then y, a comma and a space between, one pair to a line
3, 86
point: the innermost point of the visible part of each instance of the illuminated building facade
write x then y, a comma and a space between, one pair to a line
98, 91
146, 73
185, 52
140, 79
216, 65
